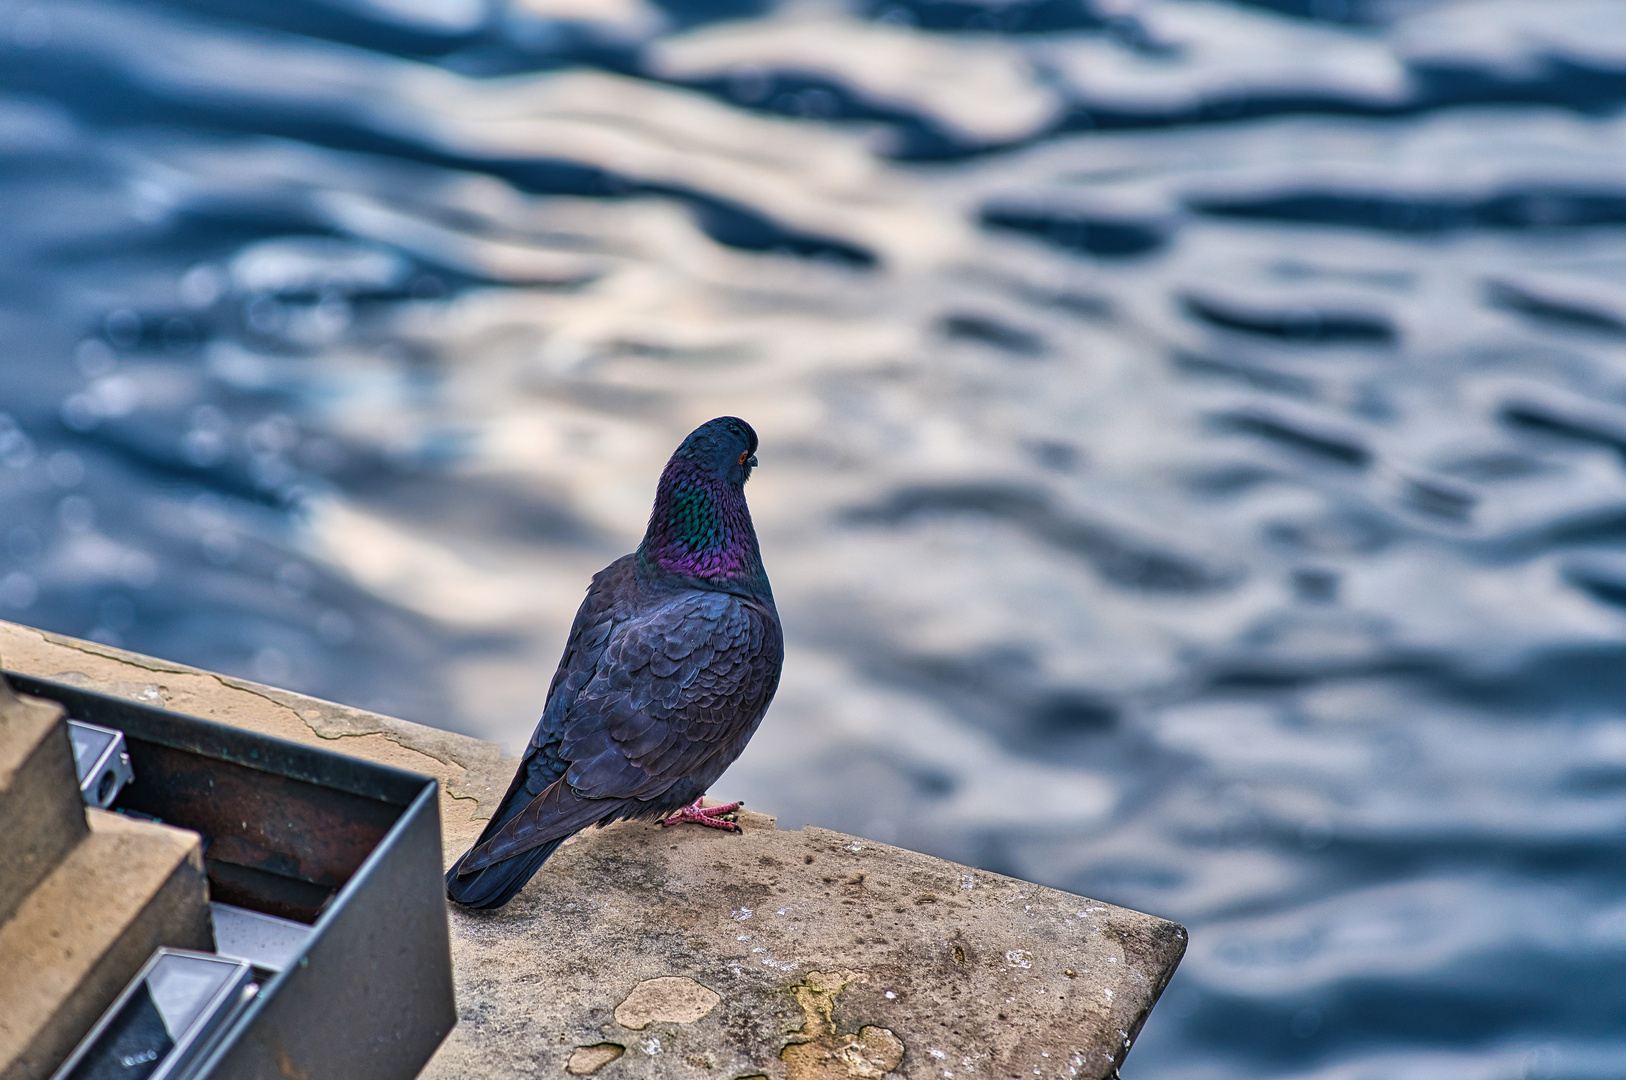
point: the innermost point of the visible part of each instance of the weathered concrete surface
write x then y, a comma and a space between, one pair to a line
42, 815
808, 955
85, 930
473, 773
688, 952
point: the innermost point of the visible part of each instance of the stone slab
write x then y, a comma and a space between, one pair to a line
630, 954
82, 934
807, 955
42, 816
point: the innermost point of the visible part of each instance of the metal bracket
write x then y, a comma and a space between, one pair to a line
102, 760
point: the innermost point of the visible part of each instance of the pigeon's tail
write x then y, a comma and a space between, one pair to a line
493, 886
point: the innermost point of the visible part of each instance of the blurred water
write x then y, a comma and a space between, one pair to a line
1192, 433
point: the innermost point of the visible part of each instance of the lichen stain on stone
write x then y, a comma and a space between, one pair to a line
820, 1052
670, 998
589, 1059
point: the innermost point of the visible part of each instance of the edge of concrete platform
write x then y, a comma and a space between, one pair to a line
473, 773
688, 953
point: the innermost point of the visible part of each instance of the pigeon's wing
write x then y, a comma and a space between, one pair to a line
584, 652
674, 690
542, 764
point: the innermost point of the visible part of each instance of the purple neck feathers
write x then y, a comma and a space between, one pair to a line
701, 528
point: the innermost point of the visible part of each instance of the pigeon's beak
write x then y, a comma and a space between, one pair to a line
751, 462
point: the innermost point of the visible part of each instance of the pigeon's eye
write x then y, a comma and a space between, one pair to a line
744, 456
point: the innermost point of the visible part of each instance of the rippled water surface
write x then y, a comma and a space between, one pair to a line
1192, 433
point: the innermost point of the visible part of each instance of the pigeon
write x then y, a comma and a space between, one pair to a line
671, 662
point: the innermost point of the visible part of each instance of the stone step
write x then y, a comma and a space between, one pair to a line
42, 816
82, 933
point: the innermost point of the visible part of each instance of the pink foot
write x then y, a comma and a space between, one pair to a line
706, 815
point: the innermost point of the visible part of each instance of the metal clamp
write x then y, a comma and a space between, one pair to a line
103, 762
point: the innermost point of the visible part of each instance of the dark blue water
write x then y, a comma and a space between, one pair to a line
1192, 452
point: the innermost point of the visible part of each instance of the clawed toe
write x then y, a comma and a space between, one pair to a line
706, 815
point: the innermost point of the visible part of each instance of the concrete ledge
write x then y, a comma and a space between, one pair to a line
687, 952
811, 955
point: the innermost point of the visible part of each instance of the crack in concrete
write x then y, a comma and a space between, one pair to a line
482, 781
341, 721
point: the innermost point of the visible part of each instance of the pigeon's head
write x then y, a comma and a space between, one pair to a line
700, 526
725, 447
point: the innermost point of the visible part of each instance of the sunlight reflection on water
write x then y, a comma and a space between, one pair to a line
1192, 433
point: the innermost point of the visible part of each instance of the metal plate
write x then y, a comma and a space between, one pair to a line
349, 847
102, 762
164, 1020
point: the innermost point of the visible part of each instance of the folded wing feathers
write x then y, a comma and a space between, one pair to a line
638, 704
